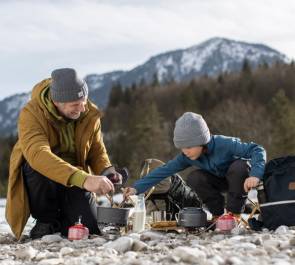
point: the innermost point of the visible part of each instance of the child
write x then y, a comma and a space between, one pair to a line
224, 164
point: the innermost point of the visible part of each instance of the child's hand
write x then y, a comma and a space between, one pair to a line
128, 192
250, 182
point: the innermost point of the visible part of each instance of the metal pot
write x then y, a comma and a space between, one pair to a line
191, 217
112, 216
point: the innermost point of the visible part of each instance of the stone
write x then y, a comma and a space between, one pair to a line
292, 241
130, 254
271, 243
258, 241
246, 246
6, 239
46, 255
283, 229
99, 241
139, 245
191, 255
51, 262
149, 235
238, 231
217, 238
134, 236
66, 251
234, 261
121, 244
51, 238
109, 252
27, 253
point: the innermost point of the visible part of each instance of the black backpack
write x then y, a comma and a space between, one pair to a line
279, 187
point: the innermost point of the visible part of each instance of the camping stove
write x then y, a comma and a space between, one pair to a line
112, 231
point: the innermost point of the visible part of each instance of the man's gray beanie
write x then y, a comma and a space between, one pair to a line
191, 130
66, 86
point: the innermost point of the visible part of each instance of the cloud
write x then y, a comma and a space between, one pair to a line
105, 35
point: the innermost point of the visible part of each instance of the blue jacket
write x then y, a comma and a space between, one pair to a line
221, 152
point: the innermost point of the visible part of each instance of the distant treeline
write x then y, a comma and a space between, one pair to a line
255, 105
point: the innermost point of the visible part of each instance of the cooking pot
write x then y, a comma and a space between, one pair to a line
191, 217
112, 216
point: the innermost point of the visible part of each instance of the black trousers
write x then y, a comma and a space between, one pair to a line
210, 188
51, 202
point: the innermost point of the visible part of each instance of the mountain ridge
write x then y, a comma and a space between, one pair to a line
211, 57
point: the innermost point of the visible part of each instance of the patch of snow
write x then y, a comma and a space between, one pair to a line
195, 57
162, 65
16, 102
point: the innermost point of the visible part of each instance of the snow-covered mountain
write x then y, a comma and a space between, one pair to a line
9, 110
211, 58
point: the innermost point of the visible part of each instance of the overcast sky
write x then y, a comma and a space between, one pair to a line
97, 36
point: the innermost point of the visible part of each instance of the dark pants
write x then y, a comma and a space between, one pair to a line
210, 188
51, 202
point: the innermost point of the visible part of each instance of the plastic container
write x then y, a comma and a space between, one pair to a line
78, 231
226, 223
139, 215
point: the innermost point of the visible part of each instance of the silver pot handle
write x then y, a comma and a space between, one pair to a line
176, 217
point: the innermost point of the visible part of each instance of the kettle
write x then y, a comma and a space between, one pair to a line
191, 217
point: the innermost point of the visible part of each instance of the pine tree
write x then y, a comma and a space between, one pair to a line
283, 132
148, 137
116, 95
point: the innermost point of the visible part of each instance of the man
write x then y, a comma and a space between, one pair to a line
59, 159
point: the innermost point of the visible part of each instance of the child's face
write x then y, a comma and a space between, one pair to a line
193, 153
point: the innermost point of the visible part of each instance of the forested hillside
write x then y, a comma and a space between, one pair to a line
253, 105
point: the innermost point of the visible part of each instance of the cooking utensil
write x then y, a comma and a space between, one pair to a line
112, 216
158, 216
149, 193
110, 197
191, 217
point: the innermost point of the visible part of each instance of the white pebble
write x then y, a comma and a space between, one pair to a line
66, 251
121, 245
27, 253
51, 238
51, 262
283, 229
188, 254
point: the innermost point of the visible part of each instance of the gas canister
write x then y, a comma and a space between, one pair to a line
226, 222
78, 231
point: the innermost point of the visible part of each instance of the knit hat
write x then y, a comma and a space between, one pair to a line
190, 130
66, 86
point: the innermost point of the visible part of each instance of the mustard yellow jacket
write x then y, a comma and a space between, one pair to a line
38, 137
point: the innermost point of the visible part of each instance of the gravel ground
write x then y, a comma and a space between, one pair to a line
241, 246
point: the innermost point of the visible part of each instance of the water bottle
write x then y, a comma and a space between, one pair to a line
139, 214
261, 195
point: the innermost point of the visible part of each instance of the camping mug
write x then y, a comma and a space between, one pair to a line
158, 216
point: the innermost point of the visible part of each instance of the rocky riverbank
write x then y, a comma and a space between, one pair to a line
241, 246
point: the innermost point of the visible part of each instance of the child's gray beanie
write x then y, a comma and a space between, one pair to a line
190, 130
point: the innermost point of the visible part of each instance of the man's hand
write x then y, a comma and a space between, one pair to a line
98, 184
128, 192
251, 182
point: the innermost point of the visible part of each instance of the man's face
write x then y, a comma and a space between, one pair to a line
71, 110
192, 153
